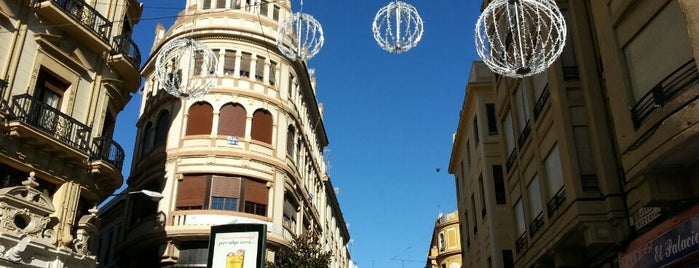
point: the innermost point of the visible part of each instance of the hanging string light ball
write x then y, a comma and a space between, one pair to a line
300, 37
397, 27
519, 38
186, 68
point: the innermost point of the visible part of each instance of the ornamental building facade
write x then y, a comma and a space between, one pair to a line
67, 69
249, 151
445, 247
598, 150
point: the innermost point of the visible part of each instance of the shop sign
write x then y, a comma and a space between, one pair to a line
666, 248
238, 245
646, 215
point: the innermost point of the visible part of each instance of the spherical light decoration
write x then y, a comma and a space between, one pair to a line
397, 27
186, 68
519, 38
300, 37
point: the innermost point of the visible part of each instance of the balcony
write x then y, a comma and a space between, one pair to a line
49, 121
3, 103
79, 19
124, 45
511, 160
536, 224
525, 134
106, 149
198, 221
539, 106
556, 201
521, 242
683, 78
126, 59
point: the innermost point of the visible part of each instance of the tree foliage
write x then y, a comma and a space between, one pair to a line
306, 251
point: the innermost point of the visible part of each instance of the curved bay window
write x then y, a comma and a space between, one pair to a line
200, 120
262, 126
231, 120
217, 192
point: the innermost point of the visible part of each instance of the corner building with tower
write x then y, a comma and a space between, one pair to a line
249, 151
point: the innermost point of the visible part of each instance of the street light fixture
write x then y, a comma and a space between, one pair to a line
155, 196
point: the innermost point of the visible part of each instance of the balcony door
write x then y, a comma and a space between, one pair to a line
48, 95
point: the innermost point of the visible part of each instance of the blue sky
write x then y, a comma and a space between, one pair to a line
389, 118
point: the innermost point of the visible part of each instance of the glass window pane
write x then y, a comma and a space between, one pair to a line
554, 172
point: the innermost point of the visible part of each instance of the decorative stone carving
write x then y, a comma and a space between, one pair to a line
81, 242
16, 253
88, 226
25, 212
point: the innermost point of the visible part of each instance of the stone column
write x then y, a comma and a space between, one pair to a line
66, 201
690, 10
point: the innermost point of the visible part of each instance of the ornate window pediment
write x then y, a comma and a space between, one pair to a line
24, 210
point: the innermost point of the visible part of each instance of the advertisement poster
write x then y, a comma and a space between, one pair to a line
237, 246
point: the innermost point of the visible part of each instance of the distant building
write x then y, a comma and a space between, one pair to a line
68, 68
476, 161
249, 151
445, 247
599, 150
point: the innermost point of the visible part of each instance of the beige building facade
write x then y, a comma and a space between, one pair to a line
445, 247
598, 150
67, 69
249, 151
477, 165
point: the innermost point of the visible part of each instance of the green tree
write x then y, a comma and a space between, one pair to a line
305, 252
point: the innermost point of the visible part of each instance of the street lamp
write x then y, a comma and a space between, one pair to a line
155, 196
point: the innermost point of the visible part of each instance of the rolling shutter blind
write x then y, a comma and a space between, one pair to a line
262, 126
191, 191
200, 119
225, 187
255, 192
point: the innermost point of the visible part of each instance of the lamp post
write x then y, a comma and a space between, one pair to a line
155, 196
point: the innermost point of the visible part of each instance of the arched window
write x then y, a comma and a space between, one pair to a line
262, 126
231, 120
147, 139
201, 117
290, 138
161, 129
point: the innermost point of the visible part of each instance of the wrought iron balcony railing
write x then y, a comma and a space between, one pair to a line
556, 201
539, 106
525, 134
536, 224
123, 44
51, 121
521, 242
104, 148
87, 16
511, 159
3, 87
664, 91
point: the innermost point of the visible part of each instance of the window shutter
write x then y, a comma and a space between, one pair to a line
200, 119
262, 126
256, 192
225, 187
191, 191
232, 119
